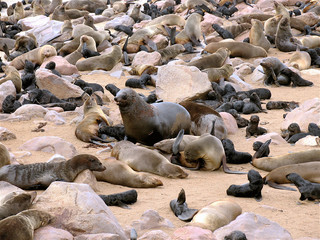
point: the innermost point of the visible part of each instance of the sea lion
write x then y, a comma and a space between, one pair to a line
41, 175
52, 67
235, 235
253, 129
89, 6
152, 123
16, 203
216, 74
191, 31
286, 105
300, 60
295, 78
22, 225
262, 149
271, 25
281, 10
270, 163
145, 160
246, 18
118, 172
308, 190
75, 13
18, 12
272, 66
311, 41
102, 62
113, 89
257, 36
169, 20
120, 199
138, 83
214, 60
216, 215
81, 29
180, 208
166, 145
10, 105
170, 52
12, 74
82, 84
225, 34
4, 156
190, 4
236, 30
77, 54
234, 156
36, 56
237, 49
205, 120
87, 130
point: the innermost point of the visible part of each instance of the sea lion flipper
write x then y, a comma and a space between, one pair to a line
181, 197
133, 234
152, 44
277, 186
176, 144
126, 59
258, 198
188, 214
226, 169
262, 150
122, 205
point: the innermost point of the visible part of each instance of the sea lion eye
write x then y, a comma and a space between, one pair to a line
125, 97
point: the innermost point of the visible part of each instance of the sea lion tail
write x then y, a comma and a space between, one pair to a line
226, 169
277, 186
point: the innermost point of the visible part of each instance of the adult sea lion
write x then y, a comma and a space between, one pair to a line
118, 172
311, 41
270, 163
152, 123
191, 31
170, 52
237, 29
216, 74
22, 225
41, 175
180, 208
257, 36
11, 73
145, 160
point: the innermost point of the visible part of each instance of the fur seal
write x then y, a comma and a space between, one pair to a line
262, 149
214, 60
180, 208
286, 105
145, 160
216, 74
296, 79
225, 34
169, 20
120, 199
249, 190
308, 190
36, 56
41, 175
307, 170
257, 36
236, 30
270, 163
22, 225
16, 203
191, 31
102, 62
166, 145
118, 172
234, 156
216, 215
87, 5
4, 156
235, 235
237, 49
170, 52
253, 129
149, 124
87, 130
311, 41
272, 66
300, 60
271, 26
13, 75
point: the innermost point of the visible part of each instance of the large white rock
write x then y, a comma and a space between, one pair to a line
51, 233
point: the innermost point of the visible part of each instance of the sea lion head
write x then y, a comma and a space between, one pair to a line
125, 97
38, 218
91, 161
254, 177
254, 119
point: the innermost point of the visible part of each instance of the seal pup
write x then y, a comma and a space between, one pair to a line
180, 208
216, 215
235, 235
222, 32
152, 123
41, 175
138, 83
83, 84
253, 129
257, 36
145, 160
120, 199
309, 171
270, 163
22, 225
286, 105
12, 74
249, 190
216, 74
262, 149
170, 52
308, 190
300, 60
10, 105
234, 156
118, 172
296, 79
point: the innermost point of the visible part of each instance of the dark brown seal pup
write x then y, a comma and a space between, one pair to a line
180, 208
249, 190
152, 123
234, 156
262, 149
41, 175
120, 199
308, 190
235, 235
253, 129
22, 225
296, 79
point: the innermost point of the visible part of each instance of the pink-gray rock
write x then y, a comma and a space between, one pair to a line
50, 144
87, 177
309, 141
177, 83
310, 18
7, 88
308, 112
58, 86
288, 2
50, 233
242, 85
62, 65
192, 233
123, 20
80, 210
151, 219
7, 188
33, 22
5, 134
244, 69
265, 5
254, 227
276, 139
28, 111
155, 235
53, 116
160, 40
143, 57
230, 122
98, 236
208, 20
257, 75
245, 9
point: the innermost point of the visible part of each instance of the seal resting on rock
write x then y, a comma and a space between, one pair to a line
152, 123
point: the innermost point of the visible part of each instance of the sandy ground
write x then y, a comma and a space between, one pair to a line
301, 219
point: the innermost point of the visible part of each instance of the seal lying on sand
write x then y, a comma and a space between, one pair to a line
308, 190
120, 199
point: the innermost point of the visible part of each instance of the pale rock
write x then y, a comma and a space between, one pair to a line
208, 20
7, 188
245, 9
160, 40
57, 109
155, 235
236, 62
265, 5
230, 122
143, 57
58, 86
87, 177
242, 36
51, 233
309, 141
80, 210
123, 20
177, 83
98, 236
53, 116
276, 139
151, 219
57, 158
99, 19
108, 13
310, 18
50, 144
254, 227
311, 72
5, 134
307, 112
192, 233
62, 65
28, 111
258, 76
234, 78
164, 4
33, 22
7, 88
244, 69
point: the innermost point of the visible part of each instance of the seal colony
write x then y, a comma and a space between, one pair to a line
146, 118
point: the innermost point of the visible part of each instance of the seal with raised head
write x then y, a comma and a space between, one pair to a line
308, 190
41, 175
216, 74
253, 129
118, 172
13, 75
22, 225
234, 156
152, 123
257, 36
180, 208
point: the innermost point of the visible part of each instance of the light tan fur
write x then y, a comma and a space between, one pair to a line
13, 75
257, 36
